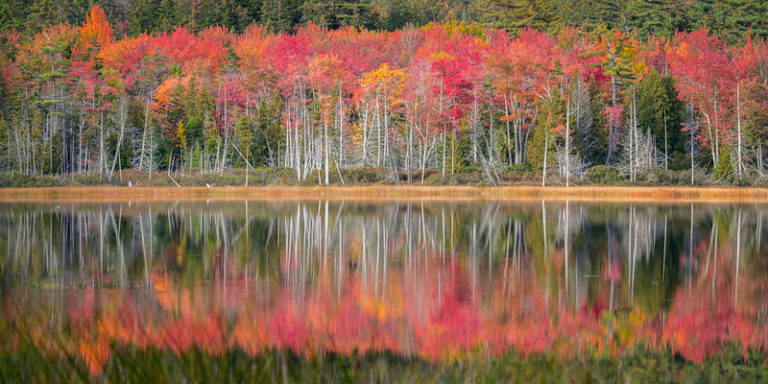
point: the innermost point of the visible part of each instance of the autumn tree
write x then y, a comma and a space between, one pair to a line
705, 76
96, 31
615, 51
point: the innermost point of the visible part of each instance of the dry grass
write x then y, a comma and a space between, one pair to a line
391, 193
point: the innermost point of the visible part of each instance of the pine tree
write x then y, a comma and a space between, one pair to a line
395, 15
611, 14
543, 141
157, 16
700, 14
40, 14
733, 18
281, 15
599, 148
514, 15
12, 14
660, 110
319, 12
337, 14
269, 131
656, 17
356, 13
245, 139
723, 170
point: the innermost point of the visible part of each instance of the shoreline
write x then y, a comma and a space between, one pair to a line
393, 193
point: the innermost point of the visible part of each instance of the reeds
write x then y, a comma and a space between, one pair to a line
386, 192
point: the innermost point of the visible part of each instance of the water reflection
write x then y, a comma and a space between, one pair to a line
419, 279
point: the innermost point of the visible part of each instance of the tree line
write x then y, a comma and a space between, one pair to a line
446, 97
729, 20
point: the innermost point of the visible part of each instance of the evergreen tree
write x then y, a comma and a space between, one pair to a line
600, 128
660, 110
395, 15
40, 14
656, 17
12, 14
514, 15
269, 131
544, 138
337, 14
154, 16
244, 13
74, 11
281, 15
190, 106
700, 14
245, 140
723, 170
595, 12
319, 12
733, 18
234, 14
356, 13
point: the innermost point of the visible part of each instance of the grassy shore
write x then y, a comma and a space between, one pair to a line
356, 184
392, 193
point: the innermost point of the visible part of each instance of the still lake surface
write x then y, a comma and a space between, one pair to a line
430, 280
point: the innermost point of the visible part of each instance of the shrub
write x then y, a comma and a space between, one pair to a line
366, 175
523, 169
455, 179
472, 168
661, 176
605, 175
19, 180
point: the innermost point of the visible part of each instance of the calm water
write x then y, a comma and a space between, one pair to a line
429, 280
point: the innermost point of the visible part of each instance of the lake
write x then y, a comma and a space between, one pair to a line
384, 291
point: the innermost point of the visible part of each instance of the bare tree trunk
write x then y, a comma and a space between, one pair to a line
365, 133
453, 150
666, 144
491, 144
636, 142
567, 143
81, 152
144, 135
717, 134
386, 127
509, 138
444, 145
738, 124
440, 111
247, 163
341, 129
123, 117
692, 165
474, 125
612, 132
101, 143
409, 150
378, 134
327, 149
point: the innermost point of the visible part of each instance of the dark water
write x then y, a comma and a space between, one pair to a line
428, 280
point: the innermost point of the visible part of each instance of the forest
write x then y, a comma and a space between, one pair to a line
677, 95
